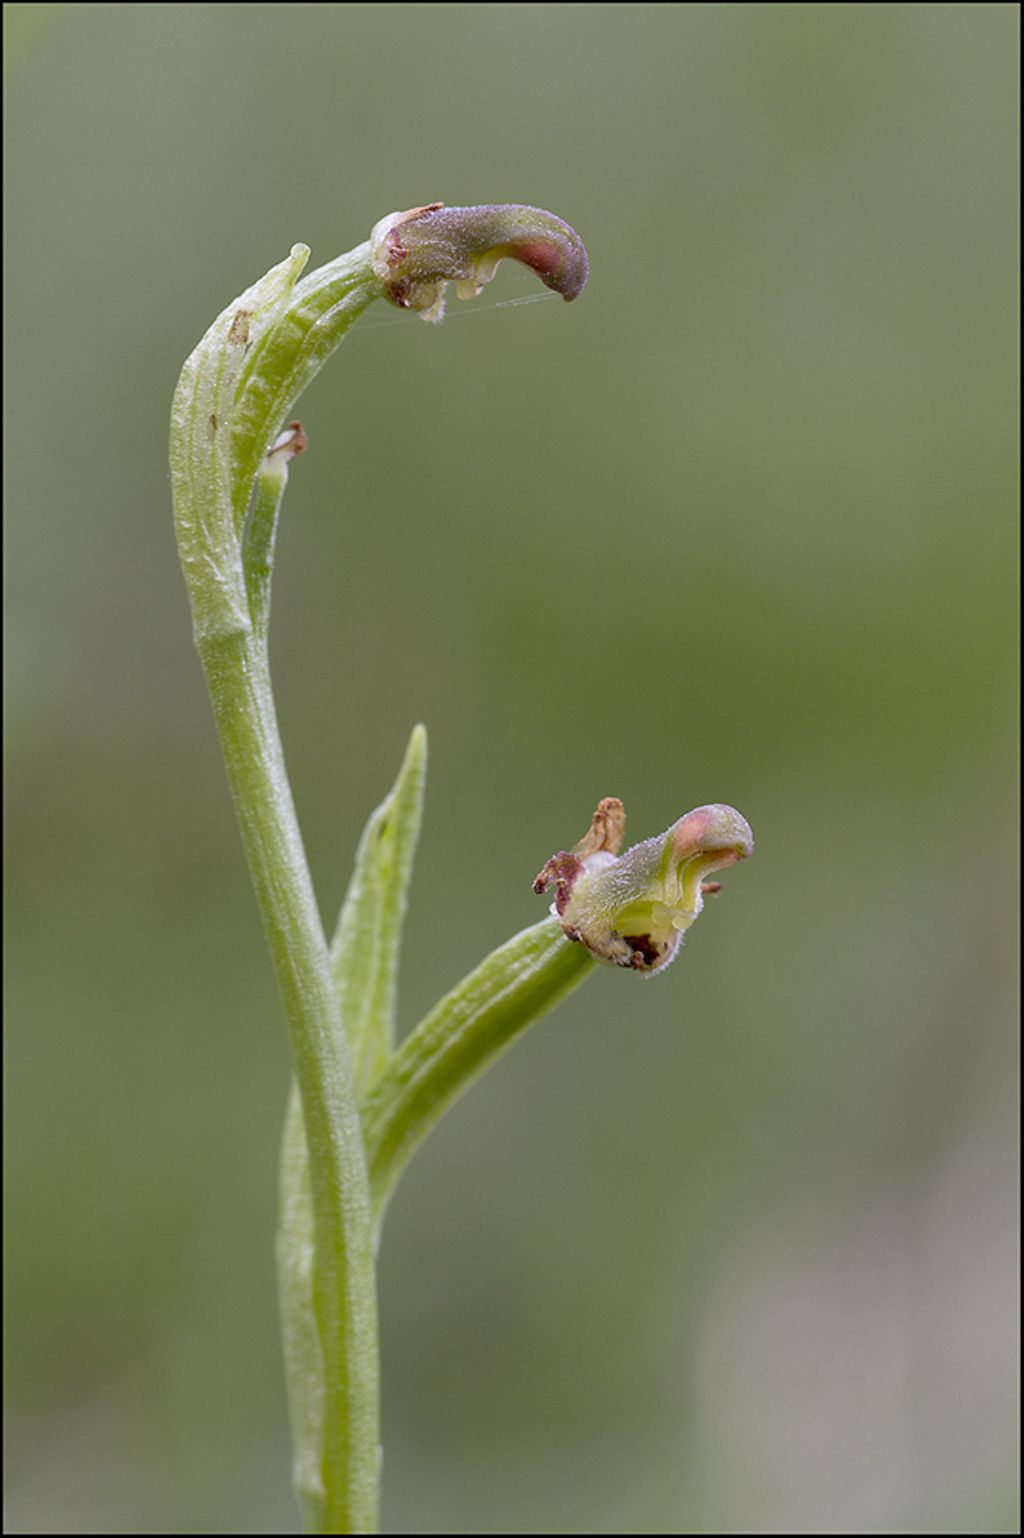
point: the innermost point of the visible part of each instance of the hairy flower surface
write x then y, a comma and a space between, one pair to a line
633, 909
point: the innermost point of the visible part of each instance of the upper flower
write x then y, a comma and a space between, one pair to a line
418, 252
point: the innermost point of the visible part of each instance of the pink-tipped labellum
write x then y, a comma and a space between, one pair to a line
418, 252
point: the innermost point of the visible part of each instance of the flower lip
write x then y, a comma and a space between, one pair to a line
418, 251
717, 831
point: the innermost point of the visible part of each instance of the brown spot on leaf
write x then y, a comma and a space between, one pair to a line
238, 332
213, 423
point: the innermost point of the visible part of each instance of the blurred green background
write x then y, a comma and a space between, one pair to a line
730, 1251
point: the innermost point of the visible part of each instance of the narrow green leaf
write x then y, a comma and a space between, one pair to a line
364, 951
452, 1045
364, 959
303, 1355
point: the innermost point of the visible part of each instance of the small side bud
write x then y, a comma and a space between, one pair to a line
632, 910
418, 252
293, 440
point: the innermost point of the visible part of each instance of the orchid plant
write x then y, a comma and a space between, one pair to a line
360, 1101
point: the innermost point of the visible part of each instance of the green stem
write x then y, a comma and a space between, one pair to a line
238, 676
459, 1038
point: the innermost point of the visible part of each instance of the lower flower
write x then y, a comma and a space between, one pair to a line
633, 909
